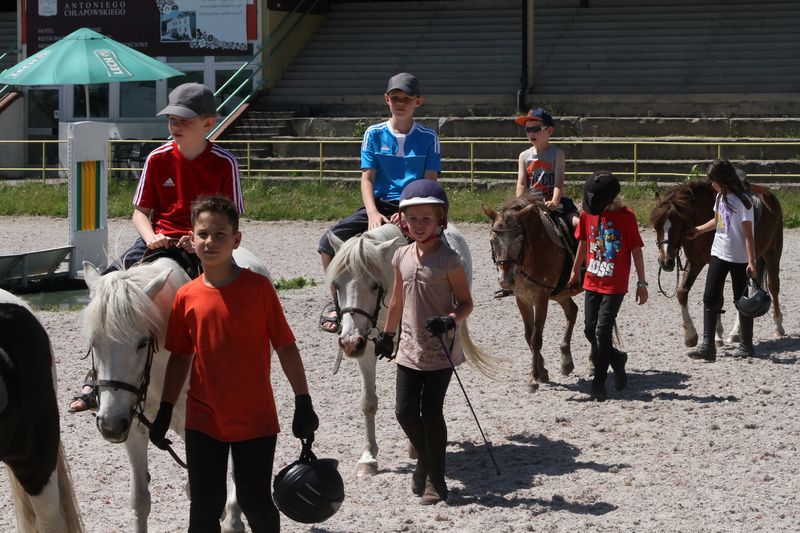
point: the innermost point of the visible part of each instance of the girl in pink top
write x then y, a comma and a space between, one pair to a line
431, 295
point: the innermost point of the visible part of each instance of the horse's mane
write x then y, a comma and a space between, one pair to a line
516, 204
679, 201
360, 257
120, 310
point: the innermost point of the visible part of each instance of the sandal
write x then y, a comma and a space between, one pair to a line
89, 399
502, 293
327, 317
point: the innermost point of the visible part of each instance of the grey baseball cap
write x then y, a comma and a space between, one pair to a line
190, 100
405, 82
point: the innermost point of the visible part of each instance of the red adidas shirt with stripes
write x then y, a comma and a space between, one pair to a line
170, 182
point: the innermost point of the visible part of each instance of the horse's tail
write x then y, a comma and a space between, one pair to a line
483, 363
69, 511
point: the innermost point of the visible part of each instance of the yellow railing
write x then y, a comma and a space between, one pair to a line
44, 168
509, 165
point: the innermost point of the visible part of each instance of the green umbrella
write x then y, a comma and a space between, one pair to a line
86, 57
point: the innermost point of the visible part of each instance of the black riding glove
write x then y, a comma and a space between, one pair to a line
439, 325
384, 345
305, 421
159, 427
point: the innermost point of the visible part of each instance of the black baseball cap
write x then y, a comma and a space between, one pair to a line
405, 82
190, 100
599, 191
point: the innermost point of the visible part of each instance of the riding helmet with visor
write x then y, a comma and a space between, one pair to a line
422, 192
754, 302
309, 490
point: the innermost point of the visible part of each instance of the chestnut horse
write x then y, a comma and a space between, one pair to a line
692, 204
530, 259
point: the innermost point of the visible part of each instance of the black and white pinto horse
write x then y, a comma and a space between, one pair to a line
125, 323
361, 274
30, 433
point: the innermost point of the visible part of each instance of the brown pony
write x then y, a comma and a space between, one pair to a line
530, 260
691, 204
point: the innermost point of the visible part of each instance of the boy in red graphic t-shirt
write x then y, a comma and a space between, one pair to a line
609, 237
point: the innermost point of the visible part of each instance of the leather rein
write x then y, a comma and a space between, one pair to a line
373, 317
518, 261
137, 410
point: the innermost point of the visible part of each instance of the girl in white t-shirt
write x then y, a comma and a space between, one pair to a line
733, 251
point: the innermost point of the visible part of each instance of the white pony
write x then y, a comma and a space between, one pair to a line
361, 273
125, 323
30, 443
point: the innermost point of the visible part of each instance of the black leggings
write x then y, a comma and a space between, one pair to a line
207, 459
715, 282
420, 394
600, 314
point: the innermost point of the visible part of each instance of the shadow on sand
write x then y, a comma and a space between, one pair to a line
523, 463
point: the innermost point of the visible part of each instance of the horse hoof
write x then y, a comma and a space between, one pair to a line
567, 369
779, 331
690, 342
367, 469
533, 387
719, 343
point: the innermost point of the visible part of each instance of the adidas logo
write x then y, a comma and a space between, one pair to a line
169, 183
384, 148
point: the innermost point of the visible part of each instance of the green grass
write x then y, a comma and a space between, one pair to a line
266, 200
297, 282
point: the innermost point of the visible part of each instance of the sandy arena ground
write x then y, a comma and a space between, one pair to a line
686, 447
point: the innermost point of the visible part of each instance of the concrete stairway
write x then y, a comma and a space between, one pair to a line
8, 38
456, 48
702, 46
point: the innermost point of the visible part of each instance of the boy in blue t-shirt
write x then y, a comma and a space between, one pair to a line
393, 154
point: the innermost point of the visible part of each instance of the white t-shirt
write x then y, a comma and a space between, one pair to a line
729, 242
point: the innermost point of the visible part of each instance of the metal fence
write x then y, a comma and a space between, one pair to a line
127, 158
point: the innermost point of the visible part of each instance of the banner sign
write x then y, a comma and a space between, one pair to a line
153, 27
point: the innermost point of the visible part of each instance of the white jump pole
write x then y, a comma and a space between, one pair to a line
87, 155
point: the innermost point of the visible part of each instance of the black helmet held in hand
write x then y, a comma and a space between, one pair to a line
754, 302
599, 191
310, 490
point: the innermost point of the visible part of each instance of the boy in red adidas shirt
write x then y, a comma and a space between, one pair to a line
609, 237
174, 175
220, 330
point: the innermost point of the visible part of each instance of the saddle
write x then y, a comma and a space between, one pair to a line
560, 232
190, 263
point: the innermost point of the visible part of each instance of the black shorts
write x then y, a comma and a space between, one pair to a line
355, 224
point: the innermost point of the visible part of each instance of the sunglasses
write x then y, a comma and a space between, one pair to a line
534, 129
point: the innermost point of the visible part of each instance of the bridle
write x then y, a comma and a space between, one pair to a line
137, 410
503, 262
373, 317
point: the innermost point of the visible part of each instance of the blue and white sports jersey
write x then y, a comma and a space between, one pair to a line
399, 159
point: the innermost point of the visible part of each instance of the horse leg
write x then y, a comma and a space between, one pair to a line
734, 336
526, 311
232, 515
540, 312
368, 463
136, 446
774, 285
571, 313
46, 507
682, 295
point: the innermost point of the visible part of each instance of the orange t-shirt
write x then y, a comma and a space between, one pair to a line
229, 331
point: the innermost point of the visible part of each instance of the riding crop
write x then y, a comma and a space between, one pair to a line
450, 360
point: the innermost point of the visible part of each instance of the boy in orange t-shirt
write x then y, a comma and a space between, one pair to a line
230, 407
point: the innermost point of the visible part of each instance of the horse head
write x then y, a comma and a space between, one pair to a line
672, 217
360, 275
508, 237
124, 321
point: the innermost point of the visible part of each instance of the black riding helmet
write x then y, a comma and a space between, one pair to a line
599, 191
754, 304
309, 490
425, 191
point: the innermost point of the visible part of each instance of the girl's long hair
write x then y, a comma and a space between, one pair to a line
723, 172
